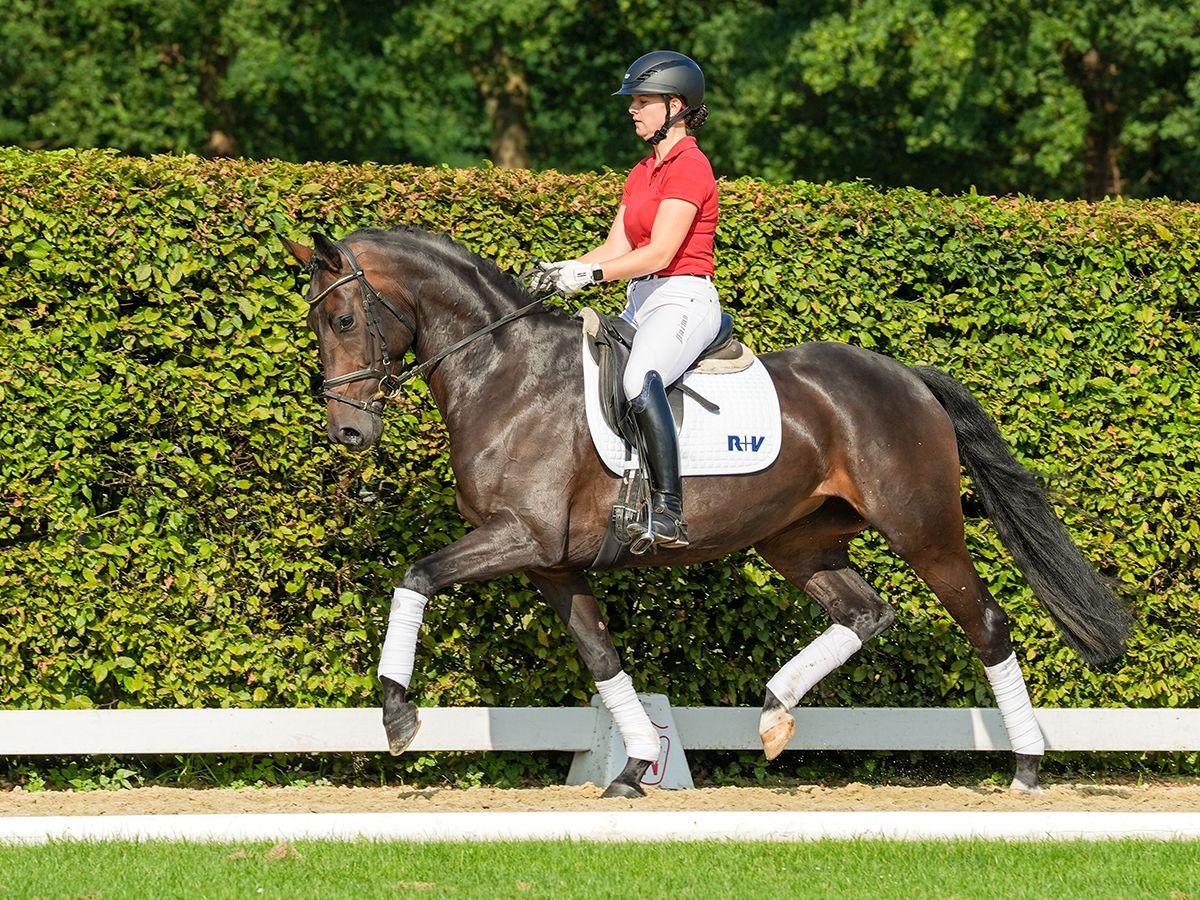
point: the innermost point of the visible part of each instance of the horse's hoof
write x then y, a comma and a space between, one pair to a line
1020, 789
628, 785
400, 719
776, 731
401, 724
1025, 780
623, 791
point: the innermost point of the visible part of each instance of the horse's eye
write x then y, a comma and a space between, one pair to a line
345, 323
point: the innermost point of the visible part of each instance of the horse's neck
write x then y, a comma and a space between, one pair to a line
452, 303
487, 371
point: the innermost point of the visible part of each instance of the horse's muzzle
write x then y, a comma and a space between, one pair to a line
351, 437
357, 436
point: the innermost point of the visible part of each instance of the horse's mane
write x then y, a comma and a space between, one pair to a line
445, 249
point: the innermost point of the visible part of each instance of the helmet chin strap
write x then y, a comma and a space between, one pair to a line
658, 136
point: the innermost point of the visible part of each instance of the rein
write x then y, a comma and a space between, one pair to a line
390, 385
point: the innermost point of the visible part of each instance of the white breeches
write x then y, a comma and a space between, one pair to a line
676, 318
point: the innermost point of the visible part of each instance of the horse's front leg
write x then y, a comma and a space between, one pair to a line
499, 546
571, 597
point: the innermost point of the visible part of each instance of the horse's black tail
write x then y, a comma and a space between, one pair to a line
1091, 619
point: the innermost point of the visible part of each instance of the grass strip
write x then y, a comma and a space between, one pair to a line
843, 869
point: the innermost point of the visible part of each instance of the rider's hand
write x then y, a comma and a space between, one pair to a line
545, 276
572, 275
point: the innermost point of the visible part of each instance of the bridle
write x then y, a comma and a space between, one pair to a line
380, 366
381, 360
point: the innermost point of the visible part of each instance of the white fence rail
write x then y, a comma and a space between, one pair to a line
145, 731
588, 732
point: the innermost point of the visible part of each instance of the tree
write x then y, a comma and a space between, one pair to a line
1128, 70
1056, 98
496, 42
1071, 98
253, 77
309, 81
115, 73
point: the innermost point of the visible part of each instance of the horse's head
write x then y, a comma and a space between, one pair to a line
362, 336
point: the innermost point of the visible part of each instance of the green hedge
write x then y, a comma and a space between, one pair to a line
175, 529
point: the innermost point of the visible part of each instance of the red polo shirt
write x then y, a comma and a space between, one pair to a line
685, 174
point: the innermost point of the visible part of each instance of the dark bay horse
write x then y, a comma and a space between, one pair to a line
867, 443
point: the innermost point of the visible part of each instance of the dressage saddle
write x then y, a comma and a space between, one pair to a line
611, 339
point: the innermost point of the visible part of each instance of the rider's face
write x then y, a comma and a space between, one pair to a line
649, 112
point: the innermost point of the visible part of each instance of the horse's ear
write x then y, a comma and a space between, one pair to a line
331, 257
299, 252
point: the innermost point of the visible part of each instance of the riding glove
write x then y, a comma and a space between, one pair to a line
544, 277
573, 275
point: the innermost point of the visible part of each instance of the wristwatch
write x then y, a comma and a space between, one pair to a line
597, 275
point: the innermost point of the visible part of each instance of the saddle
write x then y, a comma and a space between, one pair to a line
611, 339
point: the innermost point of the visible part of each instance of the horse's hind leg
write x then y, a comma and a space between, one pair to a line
952, 577
572, 598
858, 612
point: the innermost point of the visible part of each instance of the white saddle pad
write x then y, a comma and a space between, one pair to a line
743, 436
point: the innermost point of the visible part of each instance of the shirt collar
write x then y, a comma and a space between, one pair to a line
686, 143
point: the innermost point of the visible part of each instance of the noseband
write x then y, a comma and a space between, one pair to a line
381, 363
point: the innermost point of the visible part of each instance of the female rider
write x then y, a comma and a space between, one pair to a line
661, 239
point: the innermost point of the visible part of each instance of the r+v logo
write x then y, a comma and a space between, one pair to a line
742, 443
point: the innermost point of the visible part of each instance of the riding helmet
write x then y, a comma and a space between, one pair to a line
665, 72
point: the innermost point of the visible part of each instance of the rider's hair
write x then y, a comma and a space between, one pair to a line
697, 117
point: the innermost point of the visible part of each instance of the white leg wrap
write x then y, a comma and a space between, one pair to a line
400, 643
637, 731
1015, 709
798, 676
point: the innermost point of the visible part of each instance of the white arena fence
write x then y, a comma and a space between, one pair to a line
587, 732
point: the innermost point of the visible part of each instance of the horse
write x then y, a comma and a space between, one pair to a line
867, 442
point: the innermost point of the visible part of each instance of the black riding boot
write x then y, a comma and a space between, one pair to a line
660, 450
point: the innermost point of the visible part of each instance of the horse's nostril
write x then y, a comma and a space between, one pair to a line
351, 437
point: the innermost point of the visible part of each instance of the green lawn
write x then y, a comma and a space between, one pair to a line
835, 869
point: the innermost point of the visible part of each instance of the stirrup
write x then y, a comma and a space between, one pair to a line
645, 536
